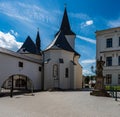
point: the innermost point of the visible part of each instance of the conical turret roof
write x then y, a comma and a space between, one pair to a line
38, 41
65, 25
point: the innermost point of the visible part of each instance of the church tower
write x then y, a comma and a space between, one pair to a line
66, 29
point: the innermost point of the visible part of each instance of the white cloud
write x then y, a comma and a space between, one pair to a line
29, 13
7, 40
86, 39
90, 22
81, 16
88, 61
87, 72
87, 66
13, 32
114, 23
87, 23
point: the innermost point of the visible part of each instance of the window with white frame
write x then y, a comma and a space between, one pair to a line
108, 61
118, 78
109, 43
118, 60
108, 78
119, 41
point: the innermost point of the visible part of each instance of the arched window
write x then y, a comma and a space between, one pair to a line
55, 71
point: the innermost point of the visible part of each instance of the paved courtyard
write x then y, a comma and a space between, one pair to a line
59, 104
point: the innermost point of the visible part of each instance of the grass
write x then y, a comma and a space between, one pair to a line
108, 87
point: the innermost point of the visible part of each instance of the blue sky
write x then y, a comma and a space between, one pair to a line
20, 18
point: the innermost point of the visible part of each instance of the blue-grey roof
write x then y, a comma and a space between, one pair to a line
61, 42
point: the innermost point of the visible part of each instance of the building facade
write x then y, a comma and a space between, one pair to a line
108, 47
55, 67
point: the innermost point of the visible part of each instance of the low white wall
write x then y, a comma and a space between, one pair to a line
9, 66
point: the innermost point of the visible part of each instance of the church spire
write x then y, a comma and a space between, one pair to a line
38, 41
65, 25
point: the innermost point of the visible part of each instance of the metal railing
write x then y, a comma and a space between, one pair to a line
114, 91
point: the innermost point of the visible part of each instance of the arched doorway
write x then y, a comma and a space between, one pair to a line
18, 82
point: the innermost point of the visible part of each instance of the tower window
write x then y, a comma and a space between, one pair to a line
66, 72
20, 64
109, 43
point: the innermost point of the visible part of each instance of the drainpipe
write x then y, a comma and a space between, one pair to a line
73, 70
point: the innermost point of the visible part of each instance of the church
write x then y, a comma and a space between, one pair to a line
55, 67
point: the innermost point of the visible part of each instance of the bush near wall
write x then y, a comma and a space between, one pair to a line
109, 87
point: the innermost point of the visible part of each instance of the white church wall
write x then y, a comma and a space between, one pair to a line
54, 56
78, 74
9, 66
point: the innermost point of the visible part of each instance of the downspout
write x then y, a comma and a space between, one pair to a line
73, 71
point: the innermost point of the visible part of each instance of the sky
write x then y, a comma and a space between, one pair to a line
20, 18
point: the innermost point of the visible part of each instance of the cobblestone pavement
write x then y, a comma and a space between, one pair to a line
59, 104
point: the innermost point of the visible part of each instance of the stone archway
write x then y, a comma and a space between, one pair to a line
18, 82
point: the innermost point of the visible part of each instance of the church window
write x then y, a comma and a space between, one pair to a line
20, 64
61, 60
66, 72
55, 71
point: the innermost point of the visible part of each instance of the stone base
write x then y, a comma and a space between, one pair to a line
102, 92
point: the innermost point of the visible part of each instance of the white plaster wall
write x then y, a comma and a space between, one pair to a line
101, 38
9, 67
114, 73
114, 52
34, 56
78, 74
54, 55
